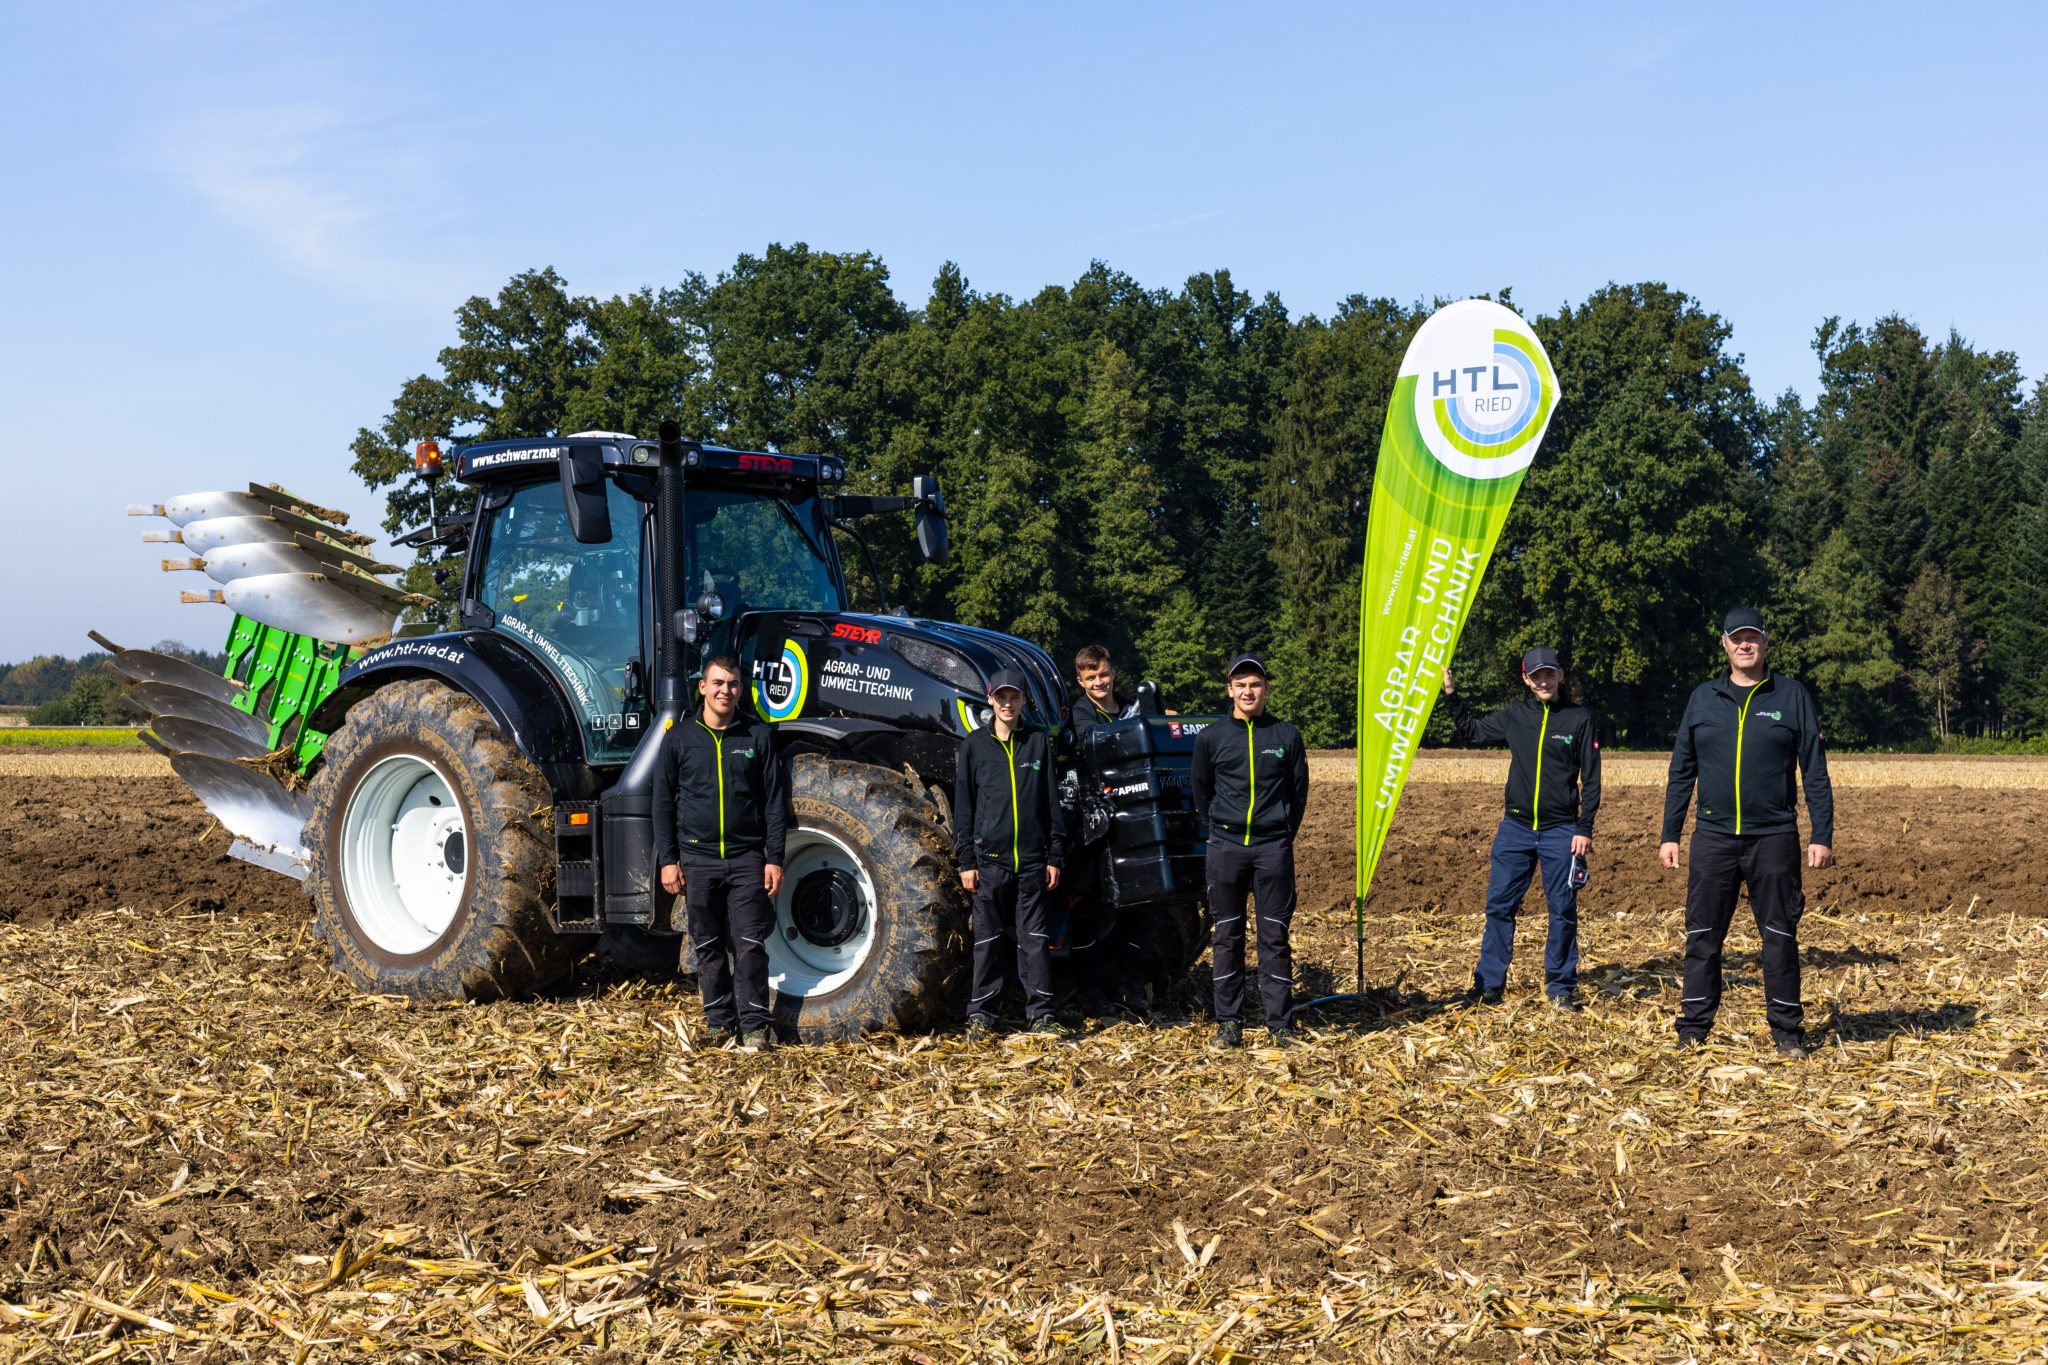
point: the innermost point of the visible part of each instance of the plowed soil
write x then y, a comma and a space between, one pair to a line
189, 1090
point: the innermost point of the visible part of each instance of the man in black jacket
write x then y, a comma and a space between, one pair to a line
1008, 840
1095, 700
1553, 794
1249, 776
1740, 741
719, 809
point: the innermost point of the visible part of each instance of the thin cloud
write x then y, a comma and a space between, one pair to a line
331, 194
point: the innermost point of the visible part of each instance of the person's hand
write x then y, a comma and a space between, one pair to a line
672, 879
969, 879
1052, 876
1819, 855
771, 877
1582, 844
1450, 685
1667, 854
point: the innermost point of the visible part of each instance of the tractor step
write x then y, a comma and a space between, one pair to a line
579, 869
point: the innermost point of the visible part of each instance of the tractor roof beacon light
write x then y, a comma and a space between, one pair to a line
426, 464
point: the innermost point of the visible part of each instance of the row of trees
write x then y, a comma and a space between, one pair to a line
82, 691
1178, 474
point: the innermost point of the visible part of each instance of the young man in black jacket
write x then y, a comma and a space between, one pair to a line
1008, 840
1249, 776
1739, 743
1553, 794
1095, 699
720, 812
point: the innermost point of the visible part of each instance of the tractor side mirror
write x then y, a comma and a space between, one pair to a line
933, 539
583, 494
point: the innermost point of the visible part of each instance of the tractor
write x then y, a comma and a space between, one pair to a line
468, 804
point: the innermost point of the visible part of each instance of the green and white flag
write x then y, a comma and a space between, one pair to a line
1474, 394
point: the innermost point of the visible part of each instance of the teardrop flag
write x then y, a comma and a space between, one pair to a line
1473, 397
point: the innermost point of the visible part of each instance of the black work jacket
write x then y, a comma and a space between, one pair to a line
1553, 763
1741, 747
719, 792
1250, 779
1085, 715
1005, 802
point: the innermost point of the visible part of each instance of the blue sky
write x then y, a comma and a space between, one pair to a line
232, 229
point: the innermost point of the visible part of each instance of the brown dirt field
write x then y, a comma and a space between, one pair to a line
204, 1129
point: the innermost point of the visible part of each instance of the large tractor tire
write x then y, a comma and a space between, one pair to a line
431, 862
870, 921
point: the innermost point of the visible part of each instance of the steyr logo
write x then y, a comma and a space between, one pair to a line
858, 634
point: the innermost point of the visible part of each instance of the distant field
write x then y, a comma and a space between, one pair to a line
1643, 769
70, 737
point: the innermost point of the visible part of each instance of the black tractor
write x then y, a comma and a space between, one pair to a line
479, 817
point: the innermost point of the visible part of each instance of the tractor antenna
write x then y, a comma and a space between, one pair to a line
670, 534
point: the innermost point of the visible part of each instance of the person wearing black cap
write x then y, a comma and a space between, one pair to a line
1249, 776
719, 820
1007, 838
1553, 793
1739, 743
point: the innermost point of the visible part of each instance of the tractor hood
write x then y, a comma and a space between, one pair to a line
901, 671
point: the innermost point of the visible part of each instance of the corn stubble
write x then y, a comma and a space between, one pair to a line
214, 1151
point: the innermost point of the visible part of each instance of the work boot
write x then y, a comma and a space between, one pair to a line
756, 1040
1793, 1049
1045, 1026
1570, 1004
1229, 1036
1689, 1043
1477, 996
1283, 1037
981, 1028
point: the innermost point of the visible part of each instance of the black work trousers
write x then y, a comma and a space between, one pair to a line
730, 924
1012, 932
1266, 872
1719, 866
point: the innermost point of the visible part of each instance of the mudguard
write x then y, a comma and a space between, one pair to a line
520, 694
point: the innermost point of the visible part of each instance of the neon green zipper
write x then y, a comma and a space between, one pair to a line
718, 748
1251, 799
1016, 864
1741, 721
1536, 796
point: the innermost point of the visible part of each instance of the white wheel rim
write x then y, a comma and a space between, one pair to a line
405, 854
796, 965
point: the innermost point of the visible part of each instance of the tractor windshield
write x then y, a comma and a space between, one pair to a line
577, 605
759, 552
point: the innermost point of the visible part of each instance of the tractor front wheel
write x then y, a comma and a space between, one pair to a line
869, 923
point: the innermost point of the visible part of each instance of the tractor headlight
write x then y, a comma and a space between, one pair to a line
940, 662
711, 606
686, 626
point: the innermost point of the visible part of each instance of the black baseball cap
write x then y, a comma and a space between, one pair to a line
1743, 618
1006, 677
1246, 663
1542, 656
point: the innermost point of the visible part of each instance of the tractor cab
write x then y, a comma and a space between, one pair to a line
564, 551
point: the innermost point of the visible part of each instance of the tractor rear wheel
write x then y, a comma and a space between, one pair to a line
431, 863
870, 926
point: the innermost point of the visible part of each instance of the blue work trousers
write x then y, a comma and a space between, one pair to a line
1517, 852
